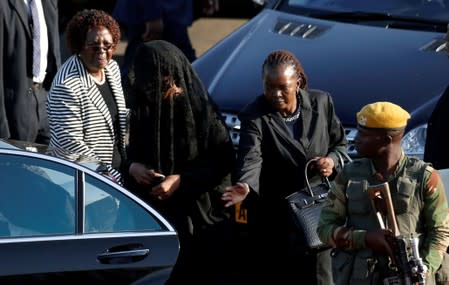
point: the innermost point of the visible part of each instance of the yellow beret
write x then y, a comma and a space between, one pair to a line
382, 115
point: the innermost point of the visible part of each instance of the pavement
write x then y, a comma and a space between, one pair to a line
204, 34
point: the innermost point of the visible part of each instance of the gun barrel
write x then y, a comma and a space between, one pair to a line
414, 242
419, 269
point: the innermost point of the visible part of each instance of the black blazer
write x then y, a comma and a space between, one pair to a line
271, 160
18, 105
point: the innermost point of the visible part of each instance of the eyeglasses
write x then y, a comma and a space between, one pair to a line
98, 48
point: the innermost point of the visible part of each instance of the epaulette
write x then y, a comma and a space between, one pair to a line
429, 169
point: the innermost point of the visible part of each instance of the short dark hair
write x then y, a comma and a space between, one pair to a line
86, 19
284, 57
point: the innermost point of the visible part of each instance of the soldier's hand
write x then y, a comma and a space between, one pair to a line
380, 241
342, 237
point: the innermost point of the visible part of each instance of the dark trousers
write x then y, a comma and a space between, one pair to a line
43, 131
279, 256
32, 123
203, 257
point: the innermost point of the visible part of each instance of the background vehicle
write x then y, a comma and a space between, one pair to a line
359, 51
60, 219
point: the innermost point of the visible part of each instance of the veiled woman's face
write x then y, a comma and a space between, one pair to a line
98, 49
280, 85
169, 88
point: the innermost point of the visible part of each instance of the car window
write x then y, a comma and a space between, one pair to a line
36, 197
108, 210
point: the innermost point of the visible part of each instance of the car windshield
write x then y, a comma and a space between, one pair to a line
418, 11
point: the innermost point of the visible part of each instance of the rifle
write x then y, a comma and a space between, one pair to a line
405, 269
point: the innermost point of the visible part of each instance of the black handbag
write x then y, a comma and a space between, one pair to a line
305, 209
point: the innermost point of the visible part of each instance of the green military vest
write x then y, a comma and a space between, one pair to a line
407, 196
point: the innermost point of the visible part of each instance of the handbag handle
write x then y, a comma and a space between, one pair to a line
342, 157
326, 180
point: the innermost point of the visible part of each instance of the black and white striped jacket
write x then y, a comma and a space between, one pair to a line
79, 117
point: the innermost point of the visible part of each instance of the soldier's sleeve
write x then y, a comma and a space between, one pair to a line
333, 213
436, 220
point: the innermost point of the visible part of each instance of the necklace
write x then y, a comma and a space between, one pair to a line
99, 82
292, 118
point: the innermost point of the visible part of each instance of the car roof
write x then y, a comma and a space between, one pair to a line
88, 161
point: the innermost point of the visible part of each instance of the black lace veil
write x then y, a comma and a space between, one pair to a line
174, 130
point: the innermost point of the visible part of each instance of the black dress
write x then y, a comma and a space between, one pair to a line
182, 135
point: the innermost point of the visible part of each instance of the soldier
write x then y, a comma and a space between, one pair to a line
361, 246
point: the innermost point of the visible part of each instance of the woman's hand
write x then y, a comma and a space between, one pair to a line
167, 187
235, 194
142, 174
324, 165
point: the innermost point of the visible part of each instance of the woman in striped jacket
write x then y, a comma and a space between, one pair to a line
86, 106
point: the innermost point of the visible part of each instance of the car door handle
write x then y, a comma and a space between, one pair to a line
127, 256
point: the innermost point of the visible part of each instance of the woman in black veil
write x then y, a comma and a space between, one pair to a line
178, 136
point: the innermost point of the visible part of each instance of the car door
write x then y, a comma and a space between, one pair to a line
59, 221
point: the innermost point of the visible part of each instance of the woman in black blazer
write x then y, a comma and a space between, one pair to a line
280, 131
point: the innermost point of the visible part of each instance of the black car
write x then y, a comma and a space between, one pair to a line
359, 51
63, 219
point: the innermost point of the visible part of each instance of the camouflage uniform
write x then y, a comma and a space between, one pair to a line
421, 209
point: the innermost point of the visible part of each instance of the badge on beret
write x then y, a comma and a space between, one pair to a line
361, 120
